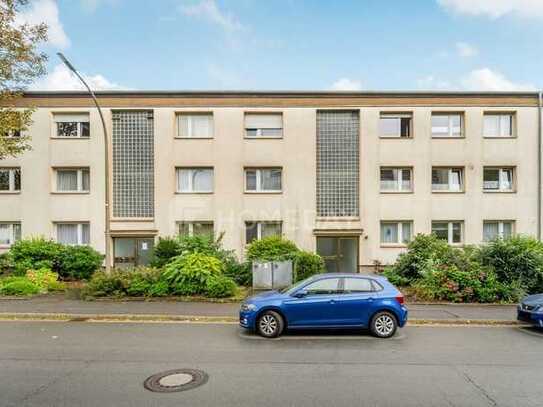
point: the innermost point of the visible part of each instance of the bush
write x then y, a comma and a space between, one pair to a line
219, 286
44, 279
78, 262
18, 286
136, 282
307, 264
518, 260
188, 274
166, 249
7, 265
34, 254
204, 244
271, 248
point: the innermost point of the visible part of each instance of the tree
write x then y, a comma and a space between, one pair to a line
20, 63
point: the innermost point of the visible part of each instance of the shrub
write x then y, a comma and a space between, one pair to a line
18, 286
78, 262
166, 249
271, 248
188, 274
105, 285
136, 282
518, 260
7, 265
44, 279
204, 244
35, 253
307, 264
219, 286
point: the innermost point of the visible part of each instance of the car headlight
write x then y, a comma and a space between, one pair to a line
248, 307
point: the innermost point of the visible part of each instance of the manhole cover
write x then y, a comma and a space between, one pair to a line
175, 380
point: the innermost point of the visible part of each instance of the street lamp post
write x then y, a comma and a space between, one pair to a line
106, 160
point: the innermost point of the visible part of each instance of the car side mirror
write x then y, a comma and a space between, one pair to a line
300, 294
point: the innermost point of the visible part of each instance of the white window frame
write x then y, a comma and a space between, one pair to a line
259, 180
500, 227
11, 176
190, 116
450, 126
12, 238
450, 230
399, 225
259, 130
190, 224
449, 178
259, 224
79, 232
501, 179
399, 183
79, 179
76, 120
399, 116
191, 190
501, 128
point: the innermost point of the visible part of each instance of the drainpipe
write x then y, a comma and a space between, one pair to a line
539, 140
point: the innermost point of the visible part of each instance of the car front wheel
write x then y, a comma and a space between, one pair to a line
383, 324
270, 324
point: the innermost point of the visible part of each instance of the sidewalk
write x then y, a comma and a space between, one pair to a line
453, 313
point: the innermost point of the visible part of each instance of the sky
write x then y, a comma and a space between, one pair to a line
493, 45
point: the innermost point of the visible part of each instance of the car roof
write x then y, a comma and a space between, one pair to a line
344, 275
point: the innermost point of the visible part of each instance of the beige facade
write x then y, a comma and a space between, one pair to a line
38, 206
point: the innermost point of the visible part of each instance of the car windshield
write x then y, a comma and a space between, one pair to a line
295, 286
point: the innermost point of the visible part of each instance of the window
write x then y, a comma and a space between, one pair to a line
396, 232
451, 232
447, 179
263, 179
323, 287
195, 125
72, 125
73, 233
493, 229
191, 180
396, 180
72, 180
259, 230
447, 125
498, 179
195, 228
395, 125
357, 285
263, 125
498, 125
9, 233
10, 179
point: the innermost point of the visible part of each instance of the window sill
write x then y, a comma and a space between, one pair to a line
499, 192
448, 192
448, 138
194, 192
396, 138
393, 246
70, 192
10, 192
397, 192
194, 138
70, 138
262, 138
499, 137
263, 192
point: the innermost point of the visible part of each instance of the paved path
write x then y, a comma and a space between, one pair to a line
89, 364
57, 304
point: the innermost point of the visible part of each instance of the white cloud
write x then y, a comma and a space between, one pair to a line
430, 82
495, 8
466, 50
487, 79
208, 10
346, 84
45, 11
61, 78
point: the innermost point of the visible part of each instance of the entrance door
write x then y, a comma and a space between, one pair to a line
339, 253
131, 251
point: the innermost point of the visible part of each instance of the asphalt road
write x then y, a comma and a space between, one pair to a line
105, 364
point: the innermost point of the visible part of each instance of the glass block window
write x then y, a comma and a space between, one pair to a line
338, 163
72, 125
72, 179
195, 228
10, 179
73, 233
133, 164
9, 233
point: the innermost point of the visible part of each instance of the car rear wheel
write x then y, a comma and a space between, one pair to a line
270, 324
383, 324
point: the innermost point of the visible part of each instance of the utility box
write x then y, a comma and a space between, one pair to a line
272, 275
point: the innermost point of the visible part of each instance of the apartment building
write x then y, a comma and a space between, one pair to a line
351, 175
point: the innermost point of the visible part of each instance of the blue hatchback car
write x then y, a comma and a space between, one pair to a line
327, 301
531, 310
